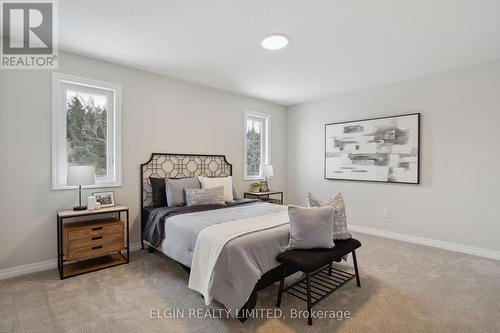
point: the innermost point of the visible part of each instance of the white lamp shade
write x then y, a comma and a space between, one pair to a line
81, 175
267, 171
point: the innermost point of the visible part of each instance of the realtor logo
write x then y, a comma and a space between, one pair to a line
29, 35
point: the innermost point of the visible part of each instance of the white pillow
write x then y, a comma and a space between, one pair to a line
227, 182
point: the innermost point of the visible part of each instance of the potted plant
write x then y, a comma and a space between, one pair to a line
255, 187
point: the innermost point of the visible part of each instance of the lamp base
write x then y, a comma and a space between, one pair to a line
80, 208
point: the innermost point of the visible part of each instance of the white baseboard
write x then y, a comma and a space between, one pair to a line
41, 266
29, 268
476, 251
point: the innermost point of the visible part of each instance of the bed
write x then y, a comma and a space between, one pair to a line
246, 262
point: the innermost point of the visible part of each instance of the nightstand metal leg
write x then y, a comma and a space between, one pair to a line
58, 247
128, 238
60, 264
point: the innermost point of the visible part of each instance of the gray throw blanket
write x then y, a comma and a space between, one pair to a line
243, 260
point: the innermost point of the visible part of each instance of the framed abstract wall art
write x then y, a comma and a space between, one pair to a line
380, 149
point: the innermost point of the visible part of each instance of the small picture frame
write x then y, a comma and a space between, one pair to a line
106, 199
264, 186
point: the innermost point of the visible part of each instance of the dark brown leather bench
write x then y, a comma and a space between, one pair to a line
322, 278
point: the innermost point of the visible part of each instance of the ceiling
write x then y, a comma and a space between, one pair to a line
336, 46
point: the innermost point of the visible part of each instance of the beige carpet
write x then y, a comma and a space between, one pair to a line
405, 288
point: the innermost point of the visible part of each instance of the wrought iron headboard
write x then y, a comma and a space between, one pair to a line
180, 166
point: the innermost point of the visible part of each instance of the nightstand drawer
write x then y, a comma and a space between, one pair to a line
101, 228
94, 250
273, 201
93, 241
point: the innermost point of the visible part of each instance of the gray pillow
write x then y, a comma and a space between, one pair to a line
175, 189
310, 227
205, 196
339, 221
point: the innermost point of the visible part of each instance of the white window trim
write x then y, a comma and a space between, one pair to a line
268, 142
59, 128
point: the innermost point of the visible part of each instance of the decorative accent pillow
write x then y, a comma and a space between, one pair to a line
226, 182
310, 227
159, 196
339, 221
175, 189
205, 196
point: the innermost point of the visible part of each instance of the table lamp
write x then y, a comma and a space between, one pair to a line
79, 175
267, 172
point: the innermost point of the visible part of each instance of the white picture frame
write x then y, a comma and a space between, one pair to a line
106, 199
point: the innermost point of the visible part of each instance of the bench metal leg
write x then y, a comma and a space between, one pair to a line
282, 282
330, 269
358, 283
309, 305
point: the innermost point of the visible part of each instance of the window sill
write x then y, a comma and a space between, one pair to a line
98, 185
249, 178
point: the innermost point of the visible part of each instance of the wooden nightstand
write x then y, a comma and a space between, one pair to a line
94, 244
265, 196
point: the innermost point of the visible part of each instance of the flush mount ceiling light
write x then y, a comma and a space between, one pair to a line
274, 42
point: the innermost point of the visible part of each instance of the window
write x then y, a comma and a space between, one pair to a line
86, 123
256, 150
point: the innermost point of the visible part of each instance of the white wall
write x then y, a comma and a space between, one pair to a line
160, 114
458, 198
456, 201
